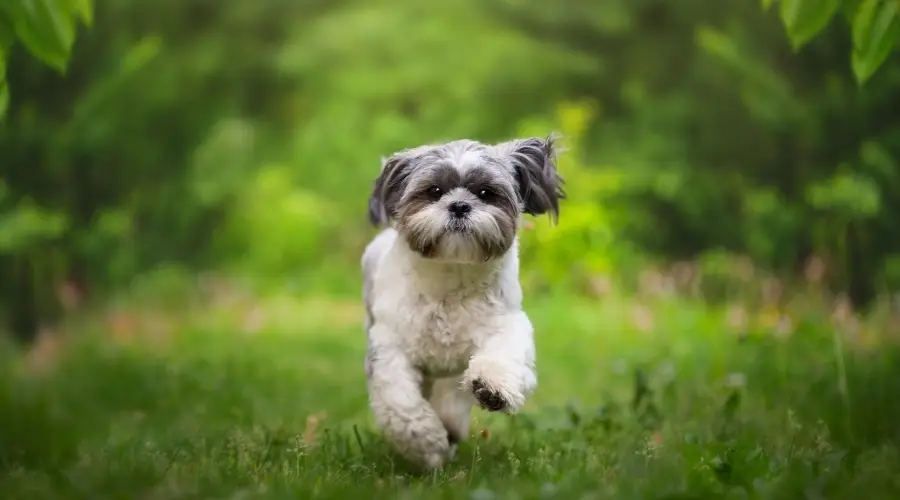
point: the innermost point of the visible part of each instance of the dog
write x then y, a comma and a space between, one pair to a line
443, 305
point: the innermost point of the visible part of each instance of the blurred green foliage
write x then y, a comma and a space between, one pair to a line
46, 28
874, 23
245, 136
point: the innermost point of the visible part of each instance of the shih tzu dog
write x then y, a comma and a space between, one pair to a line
444, 316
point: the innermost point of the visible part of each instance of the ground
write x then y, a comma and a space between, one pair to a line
659, 398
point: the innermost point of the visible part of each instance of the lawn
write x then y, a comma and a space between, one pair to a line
664, 398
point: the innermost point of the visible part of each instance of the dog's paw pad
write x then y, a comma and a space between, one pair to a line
488, 399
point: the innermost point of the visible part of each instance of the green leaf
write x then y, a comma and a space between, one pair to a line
45, 28
852, 196
862, 23
866, 64
83, 9
767, 4
27, 226
876, 29
804, 19
141, 53
884, 20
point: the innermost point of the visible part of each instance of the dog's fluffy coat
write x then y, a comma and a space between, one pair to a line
444, 320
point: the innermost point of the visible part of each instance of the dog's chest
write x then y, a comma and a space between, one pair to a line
442, 334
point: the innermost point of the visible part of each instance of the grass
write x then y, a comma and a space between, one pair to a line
667, 401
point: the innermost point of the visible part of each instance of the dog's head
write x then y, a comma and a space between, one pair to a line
461, 201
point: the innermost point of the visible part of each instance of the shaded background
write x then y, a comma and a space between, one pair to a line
208, 135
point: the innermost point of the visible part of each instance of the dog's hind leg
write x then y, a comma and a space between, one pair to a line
453, 404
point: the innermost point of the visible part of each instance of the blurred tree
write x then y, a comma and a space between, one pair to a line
47, 31
45, 27
226, 133
105, 153
729, 138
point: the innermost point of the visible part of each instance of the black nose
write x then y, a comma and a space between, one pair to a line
460, 208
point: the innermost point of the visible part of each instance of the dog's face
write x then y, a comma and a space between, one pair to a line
461, 201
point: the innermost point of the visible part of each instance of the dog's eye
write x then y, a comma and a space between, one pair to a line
435, 192
485, 194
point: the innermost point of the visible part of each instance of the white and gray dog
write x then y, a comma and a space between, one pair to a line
444, 315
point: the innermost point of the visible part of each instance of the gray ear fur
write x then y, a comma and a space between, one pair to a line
540, 185
387, 189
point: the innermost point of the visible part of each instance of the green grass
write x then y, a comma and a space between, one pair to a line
686, 409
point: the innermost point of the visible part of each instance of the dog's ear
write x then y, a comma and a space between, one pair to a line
540, 186
388, 188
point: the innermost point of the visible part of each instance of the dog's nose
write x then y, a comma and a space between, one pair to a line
460, 208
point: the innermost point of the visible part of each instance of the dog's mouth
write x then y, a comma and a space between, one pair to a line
458, 227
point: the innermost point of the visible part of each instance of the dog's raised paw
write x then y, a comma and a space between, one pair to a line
488, 399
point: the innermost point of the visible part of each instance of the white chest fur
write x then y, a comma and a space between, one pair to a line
438, 313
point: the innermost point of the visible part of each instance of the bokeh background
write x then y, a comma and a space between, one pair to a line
209, 162
202, 135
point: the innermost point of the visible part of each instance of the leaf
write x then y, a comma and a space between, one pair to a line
28, 225
141, 53
766, 4
875, 32
884, 20
804, 19
865, 65
852, 196
84, 9
862, 23
46, 30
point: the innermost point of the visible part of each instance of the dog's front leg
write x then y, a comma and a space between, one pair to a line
407, 420
501, 372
